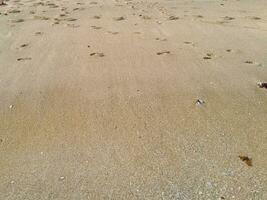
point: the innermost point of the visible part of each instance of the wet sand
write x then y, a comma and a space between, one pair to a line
119, 99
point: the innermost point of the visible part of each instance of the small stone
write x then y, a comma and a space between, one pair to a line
62, 178
11, 106
200, 102
262, 85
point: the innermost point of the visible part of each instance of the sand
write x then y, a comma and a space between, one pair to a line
117, 99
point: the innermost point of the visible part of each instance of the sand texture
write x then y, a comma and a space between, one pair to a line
133, 100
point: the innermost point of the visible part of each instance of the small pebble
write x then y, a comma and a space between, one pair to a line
262, 85
200, 102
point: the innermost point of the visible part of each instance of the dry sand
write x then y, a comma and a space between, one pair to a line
98, 99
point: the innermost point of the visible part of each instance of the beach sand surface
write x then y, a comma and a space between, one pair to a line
131, 99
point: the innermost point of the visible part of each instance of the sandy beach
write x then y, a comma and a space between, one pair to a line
133, 100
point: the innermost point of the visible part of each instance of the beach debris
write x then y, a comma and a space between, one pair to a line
262, 85
11, 106
163, 52
200, 102
246, 159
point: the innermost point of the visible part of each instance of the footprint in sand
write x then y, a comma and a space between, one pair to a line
163, 52
97, 54
161, 39
189, 43
199, 16
250, 62
208, 56
56, 22
73, 25
18, 20
173, 18
119, 18
96, 17
255, 18
41, 17
24, 45
113, 32
228, 18
96, 27
14, 11
93, 3
24, 59
145, 17
52, 5
39, 33
70, 19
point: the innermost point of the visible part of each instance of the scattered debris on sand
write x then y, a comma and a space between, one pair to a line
246, 159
